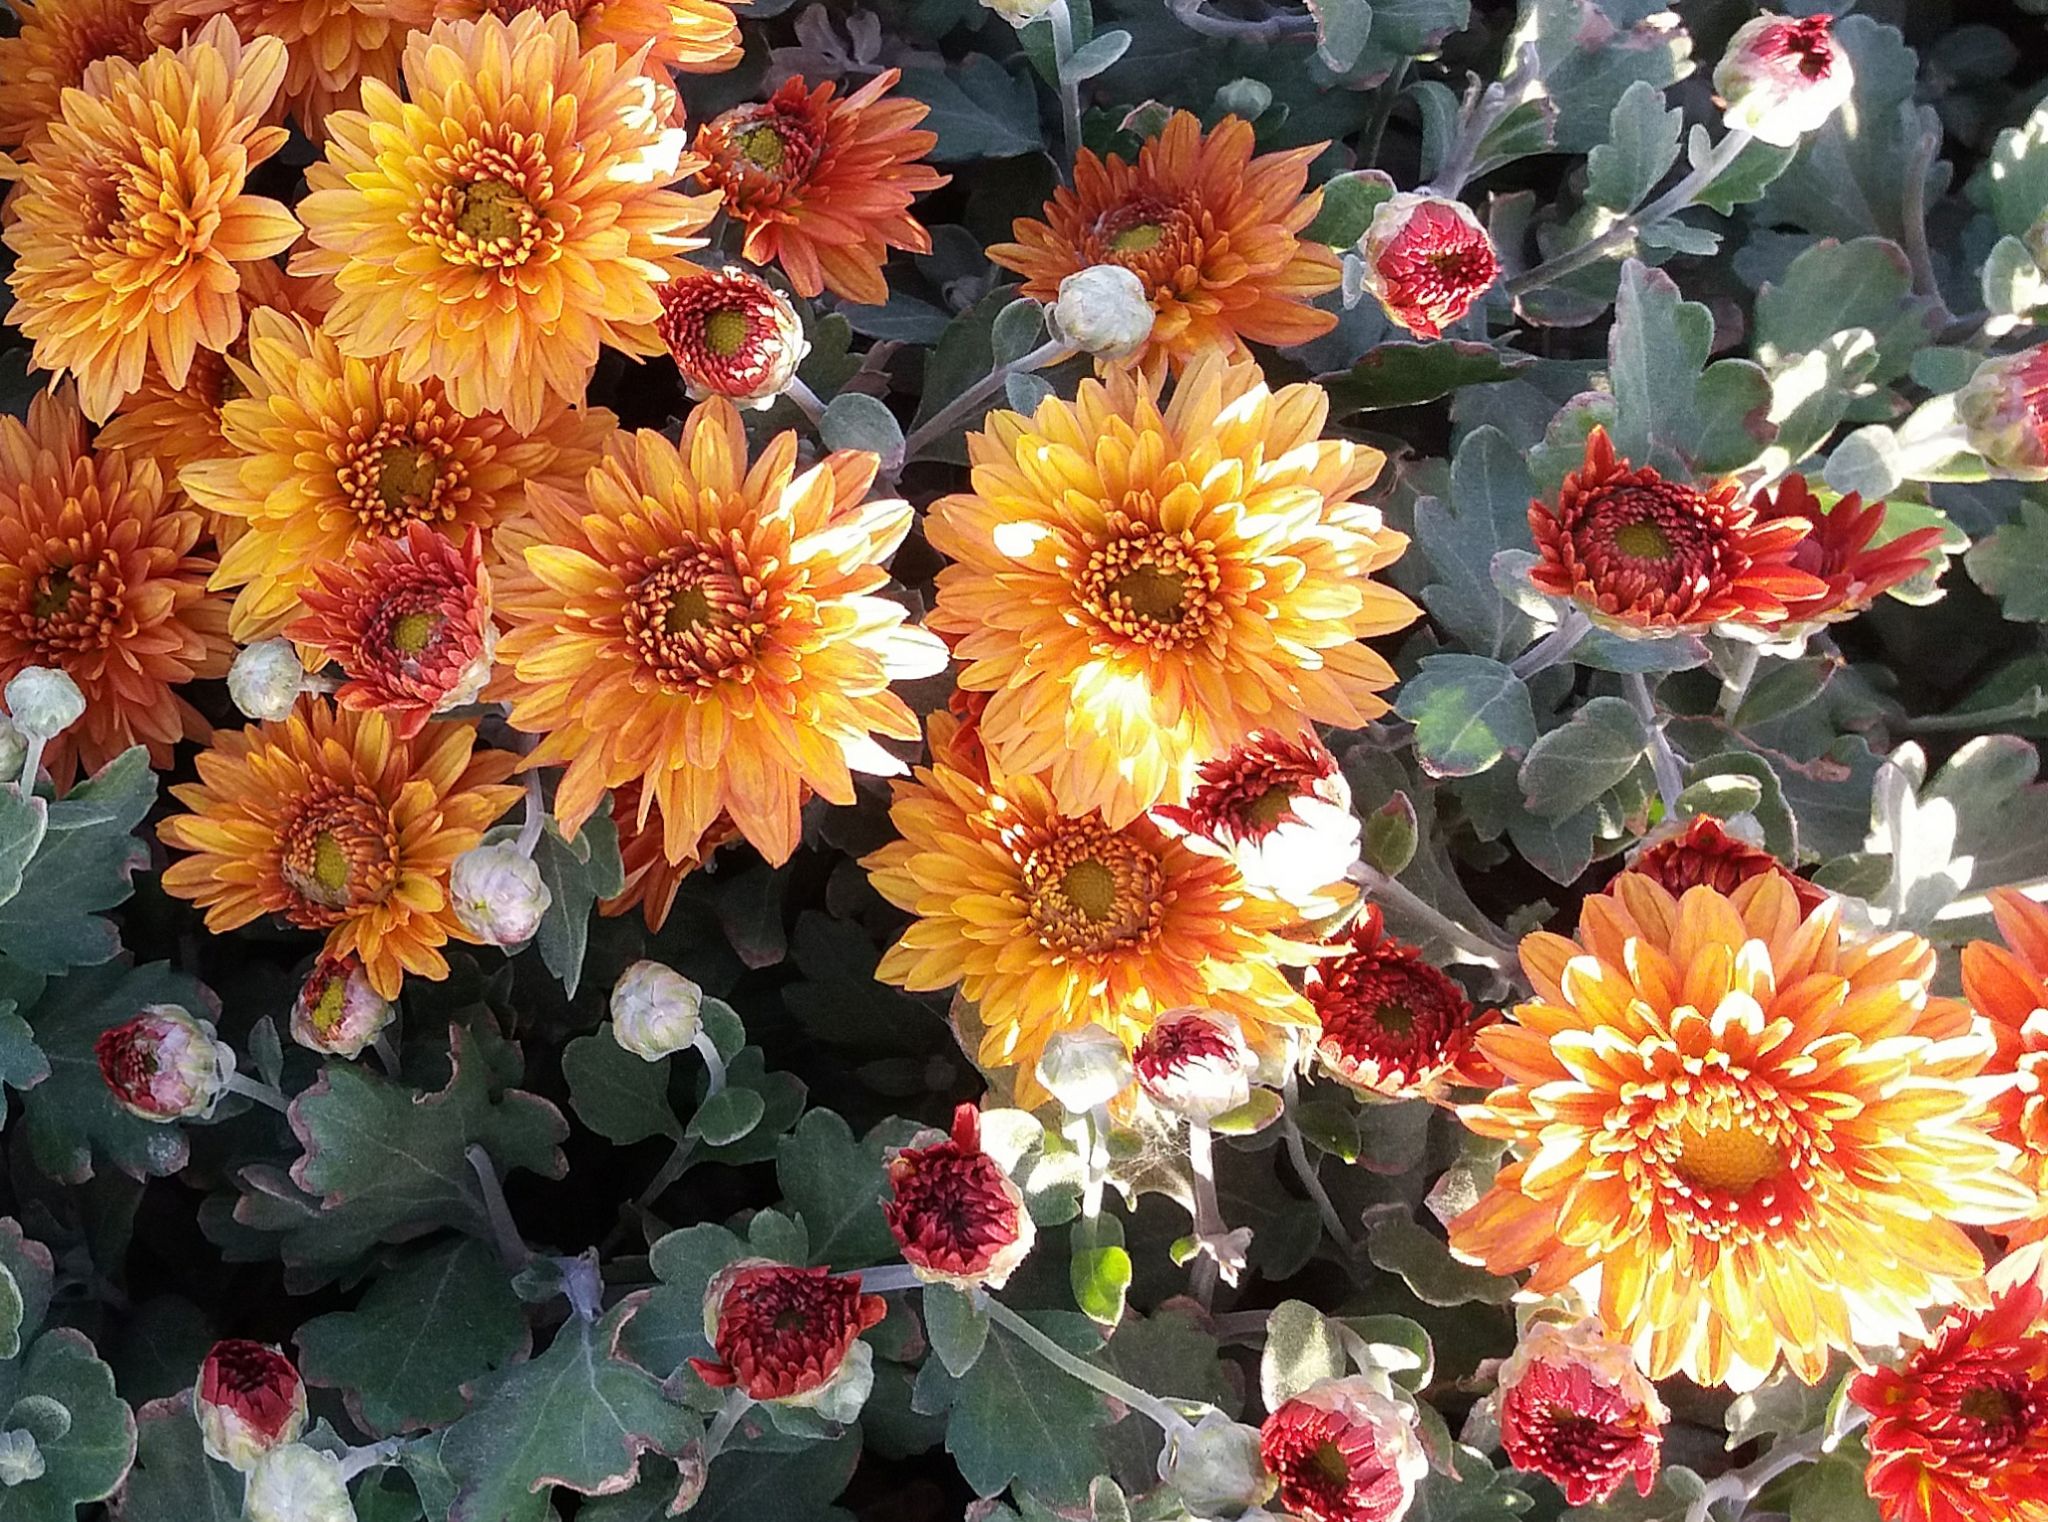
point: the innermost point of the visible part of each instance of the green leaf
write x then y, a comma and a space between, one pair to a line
1468, 712
578, 873
1349, 200
1099, 1272
1474, 1491
837, 1185
427, 1327
1396, 1243
1099, 55
956, 1325
1834, 287
1671, 409
747, 1485
1572, 765
22, 1064
1408, 374
978, 109
619, 1095
1721, 797
1343, 27
727, 1116
1782, 1405
1832, 1490
173, 1480
1754, 171
1588, 59
1302, 1348
1015, 1418
855, 420
1641, 147
2012, 564
1669, 1500
1488, 513
579, 1416
23, 821
27, 1277
670, 1328
84, 1459
83, 865
2014, 181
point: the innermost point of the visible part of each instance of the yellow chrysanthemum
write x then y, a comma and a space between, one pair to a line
1142, 587
1745, 1138
508, 219
694, 36
131, 218
1049, 922
709, 630
326, 450
49, 55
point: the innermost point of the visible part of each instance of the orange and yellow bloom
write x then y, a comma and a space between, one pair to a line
49, 55
332, 45
693, 36
2008, 986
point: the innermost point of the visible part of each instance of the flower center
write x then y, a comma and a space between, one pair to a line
698, 618
1330, 1465
493, 212
402, 471
337, 855
405, 477
1725, 1158
1154, 593
487, 210
72, 608
1091, 890
1643, 541
54, 592
1154, 588
1990, 1405
1395, 1019
413, 632
1137, 238
1266, 812
725, 333
328, 1009
762, 146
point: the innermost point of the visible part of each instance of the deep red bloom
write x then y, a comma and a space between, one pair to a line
1392, 1023
1647, 554
1428, 259
1574, 1407
1705, 853
957, 1215
732, 334
781, 1332
1341, 1452
1959, 1430
1839, 550
249, 1399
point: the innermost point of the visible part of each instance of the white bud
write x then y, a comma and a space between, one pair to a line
1783, 77
1105, 310
44, 702
1019, 13
295, 1483
655, 1010
498, 895
21, 1460
1215, 1467
1084, 1069
266, 679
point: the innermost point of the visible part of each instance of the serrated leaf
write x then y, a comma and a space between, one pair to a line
837, 1185
956, 1325
979, 110
670, 1328
1303, 1347
1468, 712
1396, 1243
1671, 409
23, 821
1407, 374
618, 1094
1833, 287
1641, 147
578, 873
748, 1485
1572, 765
1487, 513
1588, 60
88, 1456
1343, 27
83, 865
2012, 564
1013, 1418
22, 1064
173, 1480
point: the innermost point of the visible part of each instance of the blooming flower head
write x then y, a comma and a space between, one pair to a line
2004, 410
1051, 922
1574, 1407
1194, 1062
332, 821
1747, 1137
823, 183
656, 1011
709, 630
1343, 1451
1783, 77
1704, 852
693, 36
326, 452
98, 579
1281, 810
165, 1064
1210, 228
132, 218
1839, 551
249, 1399
652, 880
1138, 585
789, 1334
1645, 555
2008, 986
409, 621
57, 41
955, 1212
732, 334
506, 219
1392, 1024
1959, 1429
1427, 259
337, 1012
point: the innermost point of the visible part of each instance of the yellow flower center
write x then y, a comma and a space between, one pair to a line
336, 853
1136, 239
691, 607
1727, 1159
405, 476
697, 618
493, 212
725, 333
1153, 592
54, 595
1643, 541
327, 1010
1395, 1019
762, 146
1266, 811
413, 632
1151, 587
1092, 890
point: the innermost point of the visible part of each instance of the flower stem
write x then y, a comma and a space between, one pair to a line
1663, 759
887, 1279
1274, 28
737, 1404
536, 816
31, 762
1297, 1152
261, 1092
387, 1053
714, 1065
677, 1165
512, 1249
1488, 948
1208, 1214
1074, 1366
1735, 685
1555, 646
371, 1456
963, 406
1062, 21
806, 401
1745, 1483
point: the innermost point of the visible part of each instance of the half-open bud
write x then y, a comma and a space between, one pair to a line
1280, 810
249, 1400
1195, 1063
957, 1215
337, 1011
1783, 77
790, 1335
165, 1064
1343, 1451
732, 334
1574, 1407
1427, 259
2004, 411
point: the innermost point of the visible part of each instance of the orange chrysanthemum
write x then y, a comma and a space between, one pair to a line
652, 880
1746, 1138
1144, 587
1049, 921
1840, 553
98, 579
131, 218
693, 36
824, 186
2008, 986
49, 55
332, 821
1210, 229
507, 219
1643, 554
326, 451
709, 630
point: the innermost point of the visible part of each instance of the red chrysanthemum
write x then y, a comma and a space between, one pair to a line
1705, 853
959, 1218
732, 334
1342, 1452
1281, 811
249, 1399
1645, 554
1959, 1430
163, 1064
1575, 1408
1194, 1062
409, 622
1393, 1024
1427, 259
782, 1333
1839, 551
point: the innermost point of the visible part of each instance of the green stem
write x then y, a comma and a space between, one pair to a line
1663, 759
262, 1093
806, 401
1069, 87
1489, 948
1556, 645
1297, 1152
536, 816
512, 1249
1735, 686
963, 406
1074, 1366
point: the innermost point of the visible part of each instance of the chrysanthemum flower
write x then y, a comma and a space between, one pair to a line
249, 1399
710, 631
2004, 412
1783, 77
1194, 1063
1281, 810
1747, 1138
823, 185
732, 334
333, 822
1051, 922
164, 1064
1427, 259
1212, 231
957, 1216
1704, 852
131, 217
337, 1013
409, 622
98, 580
1142, 588
1959, 1430
328, 451
49, 55
693, 36
2008, 986
1343, 1451
1647, 555
1574, 1408
1839, 551
652, 880
507, 219
1392, 1024
782, 1333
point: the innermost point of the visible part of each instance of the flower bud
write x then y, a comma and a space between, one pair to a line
165, 1065
790, 1335
1573, 1406
1084, 1069
1343, 1451
2004, 411
1195, 1063
1019, 13
21, 1458
498, 895
1783, 77
266, 679
655, 1010
1280, 811
732, 334
249, 1400
295, 1483
1427, 259
1105, 310
957, 1215
337, 1011
43, 702
1216, 1467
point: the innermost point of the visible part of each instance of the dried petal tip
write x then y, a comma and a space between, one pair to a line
1019, 13
791, 1335
1195, 1063
733, 335
1427, 259
337, 1011
498, 894
1704, 853
2004, 410
959, 1217
1343, 1452
1783, 77
1393, 1024
1575, 1408
249, 1400
1280, 811
655, 1010
164, 1065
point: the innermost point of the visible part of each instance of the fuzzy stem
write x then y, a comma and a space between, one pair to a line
714, 1065
1297, 1152
677, 1165
806, 401
1276, 28
1745, 1483
1663, 759
1555, 646
512, 1249
1209, 1221
387, 1053
1062, 21
1169, 1420
31, 761
1735, 686
962, 407
261, 1092
737, 1404
536, 816
887, 1279
1488, 948
371, 1456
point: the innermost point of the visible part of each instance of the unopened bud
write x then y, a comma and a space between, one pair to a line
1427, 259
165, 1065
655, 1010
1084, 1069
732, 334
295, 1483
44, 702
249, 1400
1105, 310
1019, 13
1783, 77
1215, 1467
337, 1011
266, 679
1195, 1063
2004, 412
498, 895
